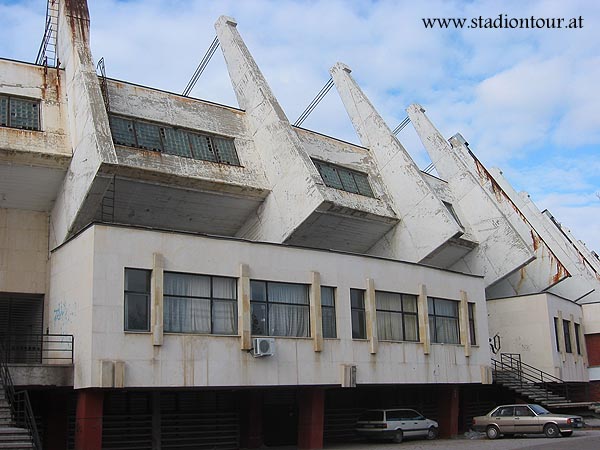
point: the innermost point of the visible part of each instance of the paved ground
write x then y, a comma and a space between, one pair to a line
581, 440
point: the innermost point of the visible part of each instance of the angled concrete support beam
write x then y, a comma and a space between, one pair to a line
89, 128
426, 224
291, 173
501, 250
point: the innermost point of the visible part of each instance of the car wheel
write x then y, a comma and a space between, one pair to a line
566, 433
492, 432
398, 436
432, 433
551, 430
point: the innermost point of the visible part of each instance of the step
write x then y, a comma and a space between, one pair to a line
16, 445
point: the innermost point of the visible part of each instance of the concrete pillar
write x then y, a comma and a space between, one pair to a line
316, 319
423, 311
251, 435
88, 419
244, 316
311, 418
371, 316
157, 299
56, 420
448, 406
426, 223
465, 338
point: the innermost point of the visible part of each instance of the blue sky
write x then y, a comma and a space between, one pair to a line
527, 100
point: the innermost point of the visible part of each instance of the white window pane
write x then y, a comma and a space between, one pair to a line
288, 320
389, 326
388, 300
186, 315
224, 317
224, 287
288, 293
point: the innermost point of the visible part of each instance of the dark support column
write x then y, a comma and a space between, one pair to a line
156, 421
56, 420
251, 419
448, 402
311, 403
88, 420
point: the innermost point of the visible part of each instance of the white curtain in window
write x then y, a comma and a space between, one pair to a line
447, 330
411, 327
288, 320
224, 317
288, 293
186, 315
389, 326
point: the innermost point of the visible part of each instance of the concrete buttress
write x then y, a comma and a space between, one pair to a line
425, 223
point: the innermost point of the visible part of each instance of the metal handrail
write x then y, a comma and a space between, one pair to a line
20, 406
527, 374
21, 348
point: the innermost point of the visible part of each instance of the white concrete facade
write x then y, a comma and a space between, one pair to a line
526, 327
88, 294
276, 199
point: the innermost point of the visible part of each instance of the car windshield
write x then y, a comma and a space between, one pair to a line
369, 416
539, 410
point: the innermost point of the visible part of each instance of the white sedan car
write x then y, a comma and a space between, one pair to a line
395, 424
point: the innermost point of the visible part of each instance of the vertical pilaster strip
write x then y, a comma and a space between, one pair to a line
465, 338
316, 322
561, 337
156, 314
423, 310
244, 323
371, 317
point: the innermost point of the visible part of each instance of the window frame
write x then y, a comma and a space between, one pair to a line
211, 300
358, 309
38, 112
348, 174
556, 334
577, 341
268, 304
402, 315
567, 334
147, 293
471, 309
330, 308
432, 317
212, 141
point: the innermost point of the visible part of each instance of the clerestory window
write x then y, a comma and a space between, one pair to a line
348, 180
16, 112
173, 141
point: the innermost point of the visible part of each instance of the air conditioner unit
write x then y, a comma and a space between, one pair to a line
263, 347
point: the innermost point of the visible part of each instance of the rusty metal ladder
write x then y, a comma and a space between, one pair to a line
47, 54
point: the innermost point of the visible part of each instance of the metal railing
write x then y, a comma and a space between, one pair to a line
526, 376
20, 406
37, 348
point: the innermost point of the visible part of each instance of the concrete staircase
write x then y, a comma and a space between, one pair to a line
11, 437
532, 391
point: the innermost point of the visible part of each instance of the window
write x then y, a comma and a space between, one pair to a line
443, 321
523, 411
279, 309
137, 300
396, 316
20, 113
556, 334
357, 309
472, 333
567, 332
345, 179
577, 343
173, 141
450, 208
505, 411
328, 311
199, 304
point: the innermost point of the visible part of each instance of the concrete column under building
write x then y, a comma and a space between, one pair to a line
311, 403
448, 406
88, 419
251, 435
56, 419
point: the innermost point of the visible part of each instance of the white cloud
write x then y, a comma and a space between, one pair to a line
526, 100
